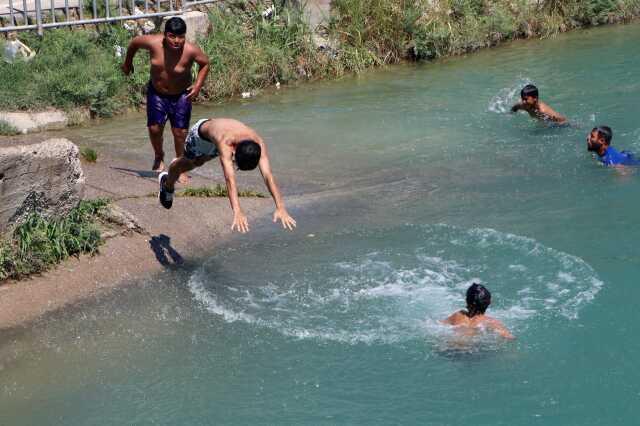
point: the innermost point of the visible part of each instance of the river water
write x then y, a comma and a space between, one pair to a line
408, 184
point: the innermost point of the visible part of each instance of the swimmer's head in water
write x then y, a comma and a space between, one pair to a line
600, 136
478, 299
247, 155
529, 94
174, 33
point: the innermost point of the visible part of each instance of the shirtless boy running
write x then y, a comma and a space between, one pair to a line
235, 144
530, 102
470, 321
170, 90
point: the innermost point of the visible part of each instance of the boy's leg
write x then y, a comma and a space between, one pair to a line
179, 137
180, 117
178, 167
155, 135
168, 180
156, 118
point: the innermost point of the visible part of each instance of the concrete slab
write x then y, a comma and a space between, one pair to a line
29, 122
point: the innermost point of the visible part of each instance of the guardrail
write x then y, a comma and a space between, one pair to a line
41, 14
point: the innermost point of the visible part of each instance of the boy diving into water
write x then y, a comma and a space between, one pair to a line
235, 143
530, 103
468, 322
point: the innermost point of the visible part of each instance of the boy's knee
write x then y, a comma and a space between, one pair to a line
179, 132
155, 128
199, 161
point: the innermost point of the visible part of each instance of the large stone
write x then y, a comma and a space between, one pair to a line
28, 122
44, 178
317, 12
197, 24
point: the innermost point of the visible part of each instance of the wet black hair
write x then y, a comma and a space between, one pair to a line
248, 155
529, 90
605, 132
175, 26
478, 299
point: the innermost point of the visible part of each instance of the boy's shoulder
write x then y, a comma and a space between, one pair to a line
457, 317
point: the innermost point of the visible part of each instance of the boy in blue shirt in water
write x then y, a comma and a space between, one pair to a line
599, 141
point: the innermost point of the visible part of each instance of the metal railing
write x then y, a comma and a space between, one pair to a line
16, 15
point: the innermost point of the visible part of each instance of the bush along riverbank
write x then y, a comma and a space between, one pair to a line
78, 68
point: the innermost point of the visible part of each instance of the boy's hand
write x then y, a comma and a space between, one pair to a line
240, 223
287, 221
127, 68
192, 92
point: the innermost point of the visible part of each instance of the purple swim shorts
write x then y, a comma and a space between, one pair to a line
176, 108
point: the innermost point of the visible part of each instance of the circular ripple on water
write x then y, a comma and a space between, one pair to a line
393, 284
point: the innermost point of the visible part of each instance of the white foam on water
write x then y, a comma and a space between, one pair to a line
401, 293
502, 102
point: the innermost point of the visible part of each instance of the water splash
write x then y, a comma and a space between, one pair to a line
413, 277
507, 97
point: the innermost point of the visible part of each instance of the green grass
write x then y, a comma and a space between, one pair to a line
373, 32
72, 68
89, 155
39, 243
7, 129
216, 191
249, 53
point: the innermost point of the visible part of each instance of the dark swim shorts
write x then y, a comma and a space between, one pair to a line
176, 108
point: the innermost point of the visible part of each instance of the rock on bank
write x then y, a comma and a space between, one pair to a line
46, 178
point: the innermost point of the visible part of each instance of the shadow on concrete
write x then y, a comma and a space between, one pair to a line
166, 255
139, 173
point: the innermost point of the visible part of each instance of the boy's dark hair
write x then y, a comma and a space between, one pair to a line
605, 132
248, 155
478, 299
529, 90
175, 26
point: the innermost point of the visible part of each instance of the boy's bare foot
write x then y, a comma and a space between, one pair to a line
158, 164
184, 179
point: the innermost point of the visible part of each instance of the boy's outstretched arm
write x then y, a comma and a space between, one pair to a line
281, 212
240, 221
517, 107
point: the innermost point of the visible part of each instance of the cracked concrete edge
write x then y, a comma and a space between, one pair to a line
31, 122
125, 223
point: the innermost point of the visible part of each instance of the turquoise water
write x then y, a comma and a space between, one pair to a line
408, 184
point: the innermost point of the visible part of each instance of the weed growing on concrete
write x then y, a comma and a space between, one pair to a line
217, 191
89, 155
39, 243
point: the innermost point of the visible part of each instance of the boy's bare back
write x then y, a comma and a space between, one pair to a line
471, 325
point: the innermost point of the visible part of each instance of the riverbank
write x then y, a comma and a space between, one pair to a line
169, 239
80, 68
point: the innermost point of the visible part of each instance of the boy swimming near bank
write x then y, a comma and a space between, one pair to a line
235, 144
599, 141
530, 102
473, 319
